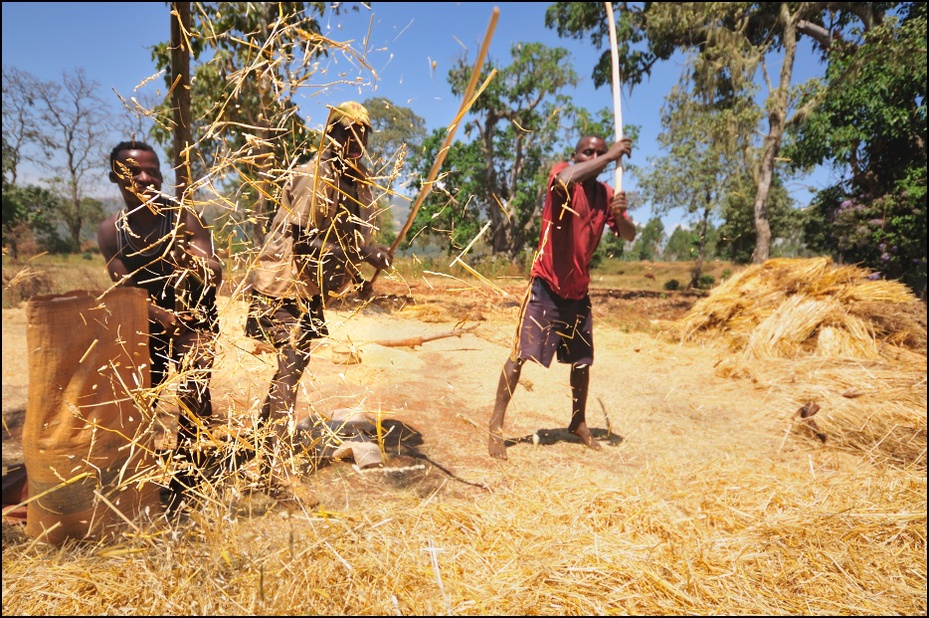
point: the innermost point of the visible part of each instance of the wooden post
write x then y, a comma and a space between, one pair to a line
180, 69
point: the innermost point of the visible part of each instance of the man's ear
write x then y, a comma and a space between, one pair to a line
114, 177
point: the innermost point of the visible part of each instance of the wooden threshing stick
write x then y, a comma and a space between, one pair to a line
617, 105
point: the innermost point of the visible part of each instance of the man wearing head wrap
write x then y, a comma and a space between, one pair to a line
320, 236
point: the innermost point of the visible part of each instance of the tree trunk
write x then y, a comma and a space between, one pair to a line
265, 154
74, 226
180, 68
701, 249
772, 143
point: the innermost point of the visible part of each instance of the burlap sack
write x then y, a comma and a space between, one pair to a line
87, 443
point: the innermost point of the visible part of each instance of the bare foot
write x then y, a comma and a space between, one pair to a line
584, 434
497, 446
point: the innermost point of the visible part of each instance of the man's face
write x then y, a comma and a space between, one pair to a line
351, 141
138, 175
589, 148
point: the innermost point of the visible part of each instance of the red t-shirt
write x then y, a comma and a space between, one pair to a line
570, 235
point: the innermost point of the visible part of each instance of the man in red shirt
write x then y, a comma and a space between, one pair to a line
555, 316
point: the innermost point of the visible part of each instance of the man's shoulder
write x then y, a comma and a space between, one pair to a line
109, 224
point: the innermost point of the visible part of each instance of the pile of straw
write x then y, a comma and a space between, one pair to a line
814, 331
789, 308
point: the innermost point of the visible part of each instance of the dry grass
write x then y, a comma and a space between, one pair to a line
733, 531
857, 347
662, 541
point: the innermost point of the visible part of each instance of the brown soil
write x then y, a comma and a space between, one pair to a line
649, 398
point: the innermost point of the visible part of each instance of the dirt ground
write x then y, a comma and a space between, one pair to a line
705, 497
650, 399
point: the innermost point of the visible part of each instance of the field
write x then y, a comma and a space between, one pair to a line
710, 495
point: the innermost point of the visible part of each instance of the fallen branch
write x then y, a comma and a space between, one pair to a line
412, 342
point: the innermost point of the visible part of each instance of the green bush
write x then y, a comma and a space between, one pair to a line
672, 284
706, 281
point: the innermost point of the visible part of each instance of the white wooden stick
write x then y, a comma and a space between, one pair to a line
617, 106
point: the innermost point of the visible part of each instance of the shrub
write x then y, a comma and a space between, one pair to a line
706, 281
672, 284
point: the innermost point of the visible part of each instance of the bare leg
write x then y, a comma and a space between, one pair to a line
509, 378
279, 404
580, 380
194, 359
195, 363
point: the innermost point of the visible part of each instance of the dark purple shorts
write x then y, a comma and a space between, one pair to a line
550, 324
285, 322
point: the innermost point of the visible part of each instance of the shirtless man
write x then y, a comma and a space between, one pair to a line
165, 249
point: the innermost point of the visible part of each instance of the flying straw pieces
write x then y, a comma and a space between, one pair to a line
471, 270
466, 102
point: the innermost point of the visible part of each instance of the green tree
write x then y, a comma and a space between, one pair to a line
681, 245
868, 119
249, 60
610, 248
705, 138
396, 131
447, 217
684, 244
647, 245
520, 124
737, 233
28, 213
734, 42
394, 128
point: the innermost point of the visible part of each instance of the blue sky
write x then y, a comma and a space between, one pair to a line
112, 41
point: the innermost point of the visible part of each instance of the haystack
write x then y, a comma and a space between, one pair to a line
830, 334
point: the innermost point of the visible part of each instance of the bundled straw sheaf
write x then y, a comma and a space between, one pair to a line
786, 308
827, 334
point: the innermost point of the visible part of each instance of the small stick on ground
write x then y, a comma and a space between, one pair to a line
412, 342
609, 424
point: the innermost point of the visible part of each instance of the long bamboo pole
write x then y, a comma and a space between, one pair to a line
617, 104
466, 103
